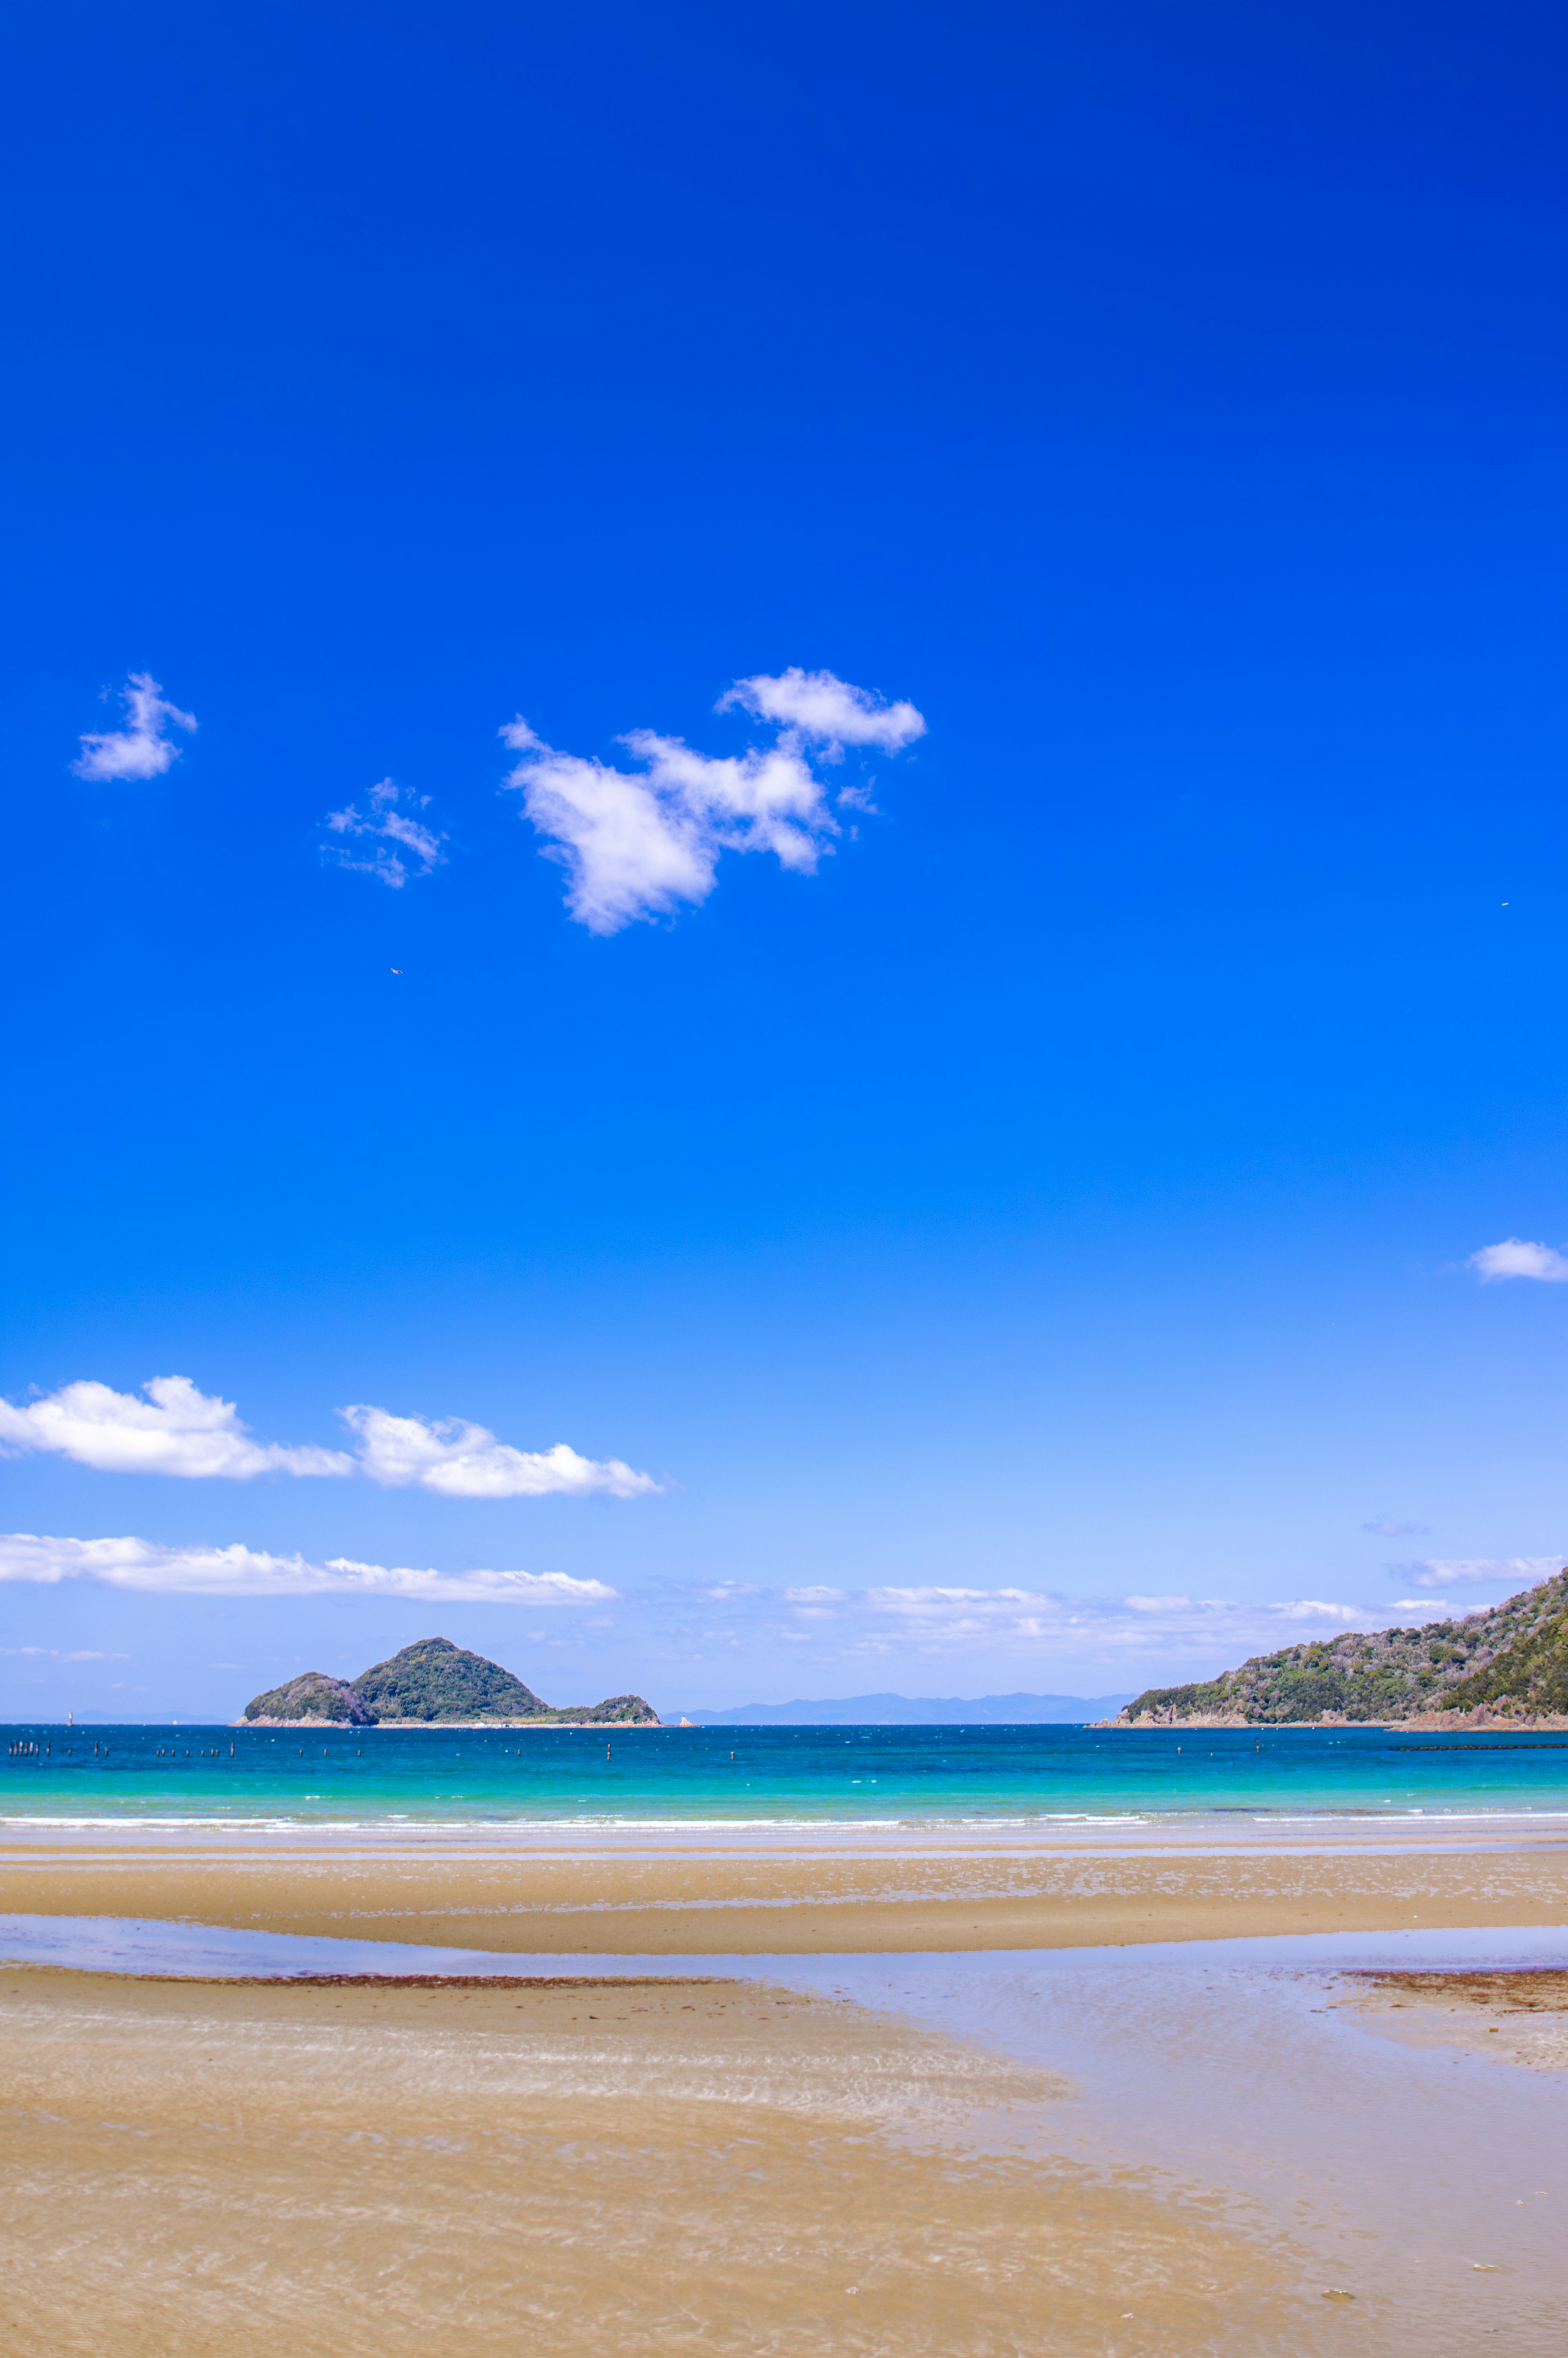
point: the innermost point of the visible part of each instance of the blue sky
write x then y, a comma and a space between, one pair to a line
1043, 1176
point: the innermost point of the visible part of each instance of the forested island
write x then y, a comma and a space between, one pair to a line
431, 1683
1506, 1666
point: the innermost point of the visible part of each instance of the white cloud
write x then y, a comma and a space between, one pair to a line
394, 833
1515, 1258
86, 1654
1317, 1608
1389, 1531
944, 1619
921, 1601
826, 711
465, 1461
174, 1430
1453, 1572
179, 1430
1036, 1637
143, 750
145, 1566
637, 844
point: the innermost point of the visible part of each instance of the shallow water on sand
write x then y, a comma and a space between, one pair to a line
1433, 2183
1243, 2077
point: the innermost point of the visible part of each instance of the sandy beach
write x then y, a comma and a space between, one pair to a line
667, 1896
879, 2139
192, 2169
704, 2163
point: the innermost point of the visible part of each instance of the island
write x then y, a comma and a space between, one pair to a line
1507, 1666
431, 1683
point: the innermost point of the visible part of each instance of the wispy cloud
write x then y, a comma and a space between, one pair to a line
397, 837
1392, 1530
1456, 1572
145, 1566
174, 1430
1515, 1258
921, 1603
1041, 1627
141, 750
460, 1460
84, 1654
638, 843
826, 711
947, 1616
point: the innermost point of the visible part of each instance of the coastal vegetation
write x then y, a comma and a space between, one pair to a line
314, 1697
432, 1684
1509, 1662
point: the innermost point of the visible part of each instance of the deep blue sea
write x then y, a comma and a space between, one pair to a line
807, 1776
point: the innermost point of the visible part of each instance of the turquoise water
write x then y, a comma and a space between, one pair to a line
782, 1776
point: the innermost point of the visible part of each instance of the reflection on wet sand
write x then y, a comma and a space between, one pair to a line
1190, 2149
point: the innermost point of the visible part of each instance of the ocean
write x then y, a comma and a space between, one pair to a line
818, 1777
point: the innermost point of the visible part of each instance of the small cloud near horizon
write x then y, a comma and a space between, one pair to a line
1453, 1571
636, 844
77, 1654
942, 1619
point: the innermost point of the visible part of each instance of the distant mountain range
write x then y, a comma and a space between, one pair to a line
912, 1711
1506, 1666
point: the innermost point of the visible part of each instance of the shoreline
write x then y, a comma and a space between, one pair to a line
443, 1726
1482, 1719
1225, 1828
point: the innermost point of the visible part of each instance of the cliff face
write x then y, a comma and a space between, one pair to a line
431, 1683
1509, 1662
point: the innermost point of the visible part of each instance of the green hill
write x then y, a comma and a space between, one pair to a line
434, 1679
312, 1696
432, 1684
1507, 1663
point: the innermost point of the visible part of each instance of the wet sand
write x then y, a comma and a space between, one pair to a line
666, 1898
1509, 2017
885, 2143
197, 2170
